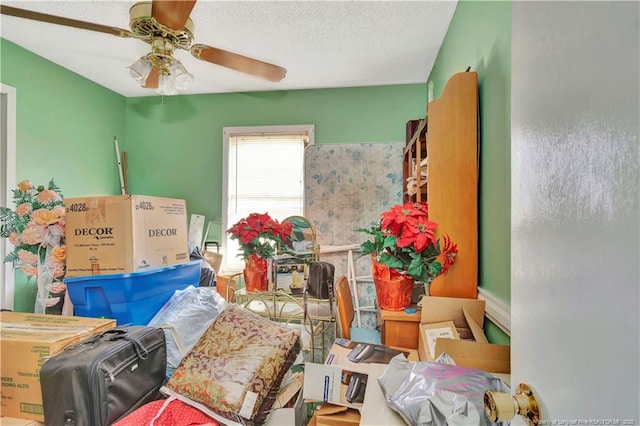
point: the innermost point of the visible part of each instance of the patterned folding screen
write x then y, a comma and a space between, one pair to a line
347, 186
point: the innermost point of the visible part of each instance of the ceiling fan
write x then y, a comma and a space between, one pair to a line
166, 25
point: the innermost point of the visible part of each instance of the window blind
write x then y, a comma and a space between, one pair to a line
265, 174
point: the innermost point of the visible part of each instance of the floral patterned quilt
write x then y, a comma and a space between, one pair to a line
236, 367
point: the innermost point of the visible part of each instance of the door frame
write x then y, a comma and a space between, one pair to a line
8, 183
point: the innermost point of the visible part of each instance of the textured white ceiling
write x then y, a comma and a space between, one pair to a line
322, 44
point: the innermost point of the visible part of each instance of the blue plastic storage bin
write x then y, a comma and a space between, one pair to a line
132, 298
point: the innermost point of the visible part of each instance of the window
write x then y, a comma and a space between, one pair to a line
263, 172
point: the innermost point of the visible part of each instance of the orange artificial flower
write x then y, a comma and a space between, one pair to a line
25, 186
36, 229
44, 217
29, 270
59, 253
47, 196
27, 257
23, 209
32, 235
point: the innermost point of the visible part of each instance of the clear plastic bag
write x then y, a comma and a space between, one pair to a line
434, 394
184, 318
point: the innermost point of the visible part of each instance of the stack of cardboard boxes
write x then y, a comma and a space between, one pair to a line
105, 235
455, 326
27, 341
289, 407
448, 325
332, 382
126, 255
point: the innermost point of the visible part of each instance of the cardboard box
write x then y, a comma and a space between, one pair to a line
335, 384
26, 341
334, 415
124, 233
430, 334
339, 354
478, 353
289, 407
289, 388
214, 259
294, 416
472, 349
442, 309
373, 410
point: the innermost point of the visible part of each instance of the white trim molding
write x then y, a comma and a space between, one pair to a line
497, 311
8, 167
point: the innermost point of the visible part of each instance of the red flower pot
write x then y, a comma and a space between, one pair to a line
393, 289
394, 294
255, 274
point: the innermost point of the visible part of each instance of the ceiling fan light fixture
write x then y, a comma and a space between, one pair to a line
166, 85
181, 77
165, 25
140, 70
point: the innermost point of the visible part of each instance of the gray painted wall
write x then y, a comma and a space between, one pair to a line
575, 206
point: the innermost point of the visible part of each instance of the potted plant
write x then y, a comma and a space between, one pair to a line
404, 249
36, 230
259, 235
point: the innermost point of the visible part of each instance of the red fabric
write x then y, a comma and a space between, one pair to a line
177, 413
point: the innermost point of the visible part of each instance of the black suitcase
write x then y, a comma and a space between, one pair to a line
320, 281
104, 377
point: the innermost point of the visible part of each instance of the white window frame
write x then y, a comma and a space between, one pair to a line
8, 182
227, 132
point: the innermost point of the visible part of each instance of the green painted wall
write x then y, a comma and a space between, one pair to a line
480, 37
65, 124
65, 128
174, 145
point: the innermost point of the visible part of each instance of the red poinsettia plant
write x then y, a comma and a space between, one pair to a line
260, 234
404, 243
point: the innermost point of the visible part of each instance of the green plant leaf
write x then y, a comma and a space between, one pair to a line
391, 261
416, 270
368, 247
435, 268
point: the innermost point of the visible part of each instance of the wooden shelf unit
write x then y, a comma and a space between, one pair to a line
415, 152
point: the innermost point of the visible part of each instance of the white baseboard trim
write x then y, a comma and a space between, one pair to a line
497, 311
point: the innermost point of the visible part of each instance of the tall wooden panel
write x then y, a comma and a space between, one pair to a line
452, 184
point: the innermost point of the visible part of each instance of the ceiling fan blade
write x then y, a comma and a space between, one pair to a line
172, 13
238, 62
52, 19
152, 79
